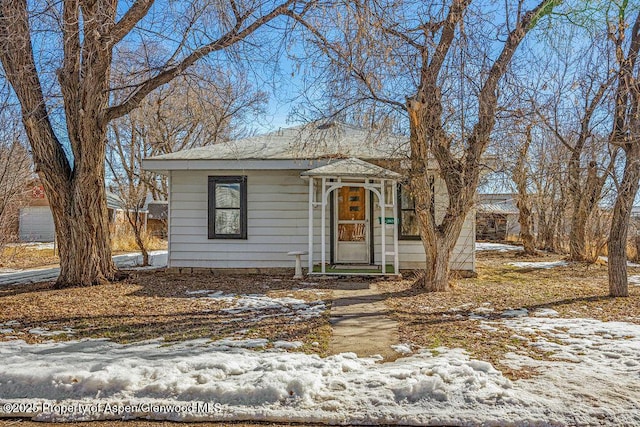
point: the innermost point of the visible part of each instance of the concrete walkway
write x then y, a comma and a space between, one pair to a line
33, 275
360, 322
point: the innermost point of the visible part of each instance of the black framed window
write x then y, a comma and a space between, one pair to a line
408, 228
227, 207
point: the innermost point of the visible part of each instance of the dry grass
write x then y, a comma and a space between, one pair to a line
19, 257
442, 319
152, 304
27, 256
126, 242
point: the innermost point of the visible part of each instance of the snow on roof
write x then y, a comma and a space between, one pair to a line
311, 141
352, 167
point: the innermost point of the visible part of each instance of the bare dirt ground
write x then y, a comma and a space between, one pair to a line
447, 319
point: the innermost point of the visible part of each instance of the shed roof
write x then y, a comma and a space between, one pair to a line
310, 141
352, 167
496, 208
114, 201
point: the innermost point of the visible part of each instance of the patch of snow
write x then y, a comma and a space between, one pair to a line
133, 260
604, 368
487, 327
32, 245
483, 310
634, 280
288, 344
500, 247
605, 260
480, 313
402, 348
518, 312
539, 264
545, 312
298, 308
448, 388
46, 332
241, 343
10, 323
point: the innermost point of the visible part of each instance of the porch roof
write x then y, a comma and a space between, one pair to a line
352, 167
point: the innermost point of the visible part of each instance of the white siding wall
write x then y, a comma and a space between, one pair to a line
412, 252
277, 223
277, 210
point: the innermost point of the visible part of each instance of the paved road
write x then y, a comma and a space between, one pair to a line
34, 275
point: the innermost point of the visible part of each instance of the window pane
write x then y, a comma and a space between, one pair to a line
228, 195
406, 201
409, 224
227, 221
351, 232
351, 203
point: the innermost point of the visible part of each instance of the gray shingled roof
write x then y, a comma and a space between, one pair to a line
352, 167
311, 141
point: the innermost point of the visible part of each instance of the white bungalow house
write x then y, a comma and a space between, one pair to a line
331, 191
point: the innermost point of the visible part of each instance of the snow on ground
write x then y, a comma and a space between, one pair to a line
629, 263
539, 264
157, 259
500, 247
402, 348
32, 245
594, 380
634, 280
298, 308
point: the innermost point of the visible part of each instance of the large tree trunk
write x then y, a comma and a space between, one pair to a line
89, 32
578, 236
428, 136
525, 218
437, 268
438, 237
526, 227
82, 230
617, 245
76, 195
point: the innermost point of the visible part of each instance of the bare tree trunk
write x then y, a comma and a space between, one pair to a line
578, 236
617, 245
526, 225
82, 227
133, 216
625, 134
525, 218
89, 32
143, 248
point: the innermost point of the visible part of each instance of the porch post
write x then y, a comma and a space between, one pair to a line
383, 226
396, 253
311, 197
323, 238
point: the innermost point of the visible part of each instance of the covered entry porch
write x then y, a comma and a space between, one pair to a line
357, 204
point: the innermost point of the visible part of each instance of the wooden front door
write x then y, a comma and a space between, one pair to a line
352, 225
